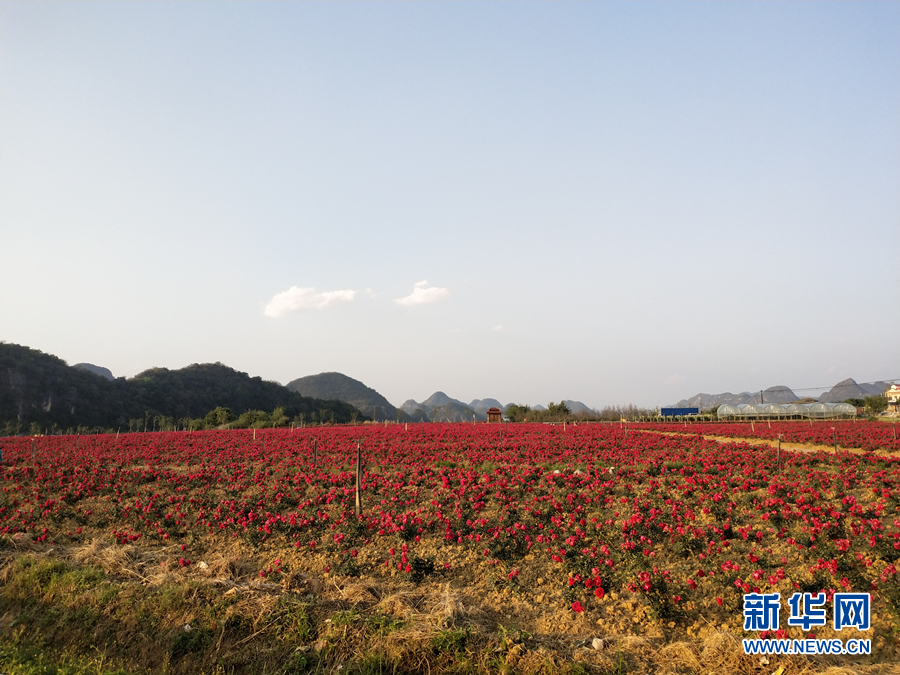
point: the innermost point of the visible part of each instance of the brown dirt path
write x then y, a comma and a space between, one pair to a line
793, 447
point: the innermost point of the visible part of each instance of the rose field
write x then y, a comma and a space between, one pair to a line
606, 548
847, 434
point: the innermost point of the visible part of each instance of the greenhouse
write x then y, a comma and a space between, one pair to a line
774, 410
797, 409
727, 411
817, 411
845, 409
822, 411
751, 410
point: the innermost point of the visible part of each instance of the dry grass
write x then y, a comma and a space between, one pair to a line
448, 606
353, 618
21, 542
785, 445
680, 655
120, 561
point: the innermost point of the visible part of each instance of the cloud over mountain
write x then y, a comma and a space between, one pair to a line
301, 299
423, 294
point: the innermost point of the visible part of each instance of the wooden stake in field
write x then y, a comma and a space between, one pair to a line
254, 434
315, 452
834, 434
779, 451
32, 449
358, 476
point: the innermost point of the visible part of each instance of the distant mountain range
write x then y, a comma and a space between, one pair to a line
577, 407
329, 386
40, 391
482, 405
441, 408
780, 394
850, 389
105, 373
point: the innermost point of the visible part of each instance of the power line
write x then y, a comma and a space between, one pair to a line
888, 380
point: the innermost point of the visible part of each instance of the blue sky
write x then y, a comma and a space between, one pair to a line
610, 202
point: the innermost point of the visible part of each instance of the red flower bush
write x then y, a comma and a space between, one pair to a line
675, 519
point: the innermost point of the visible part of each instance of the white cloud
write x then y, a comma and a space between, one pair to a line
300, 299
423, 293
500, 327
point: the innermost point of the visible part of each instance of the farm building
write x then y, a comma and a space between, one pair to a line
678, 412
494, 414
893, 397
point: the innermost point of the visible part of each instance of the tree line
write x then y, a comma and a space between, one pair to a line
559, 412
41, 392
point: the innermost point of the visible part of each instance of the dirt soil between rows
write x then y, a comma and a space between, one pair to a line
793, 447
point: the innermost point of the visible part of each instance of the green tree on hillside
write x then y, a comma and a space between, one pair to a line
558, 409
218, 417
255, 419
517, 413
279, 419
875, 404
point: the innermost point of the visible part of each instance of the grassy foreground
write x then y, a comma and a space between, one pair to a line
104, 609
534, 550
93, 610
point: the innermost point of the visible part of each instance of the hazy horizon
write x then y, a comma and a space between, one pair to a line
606, 202
800, 391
